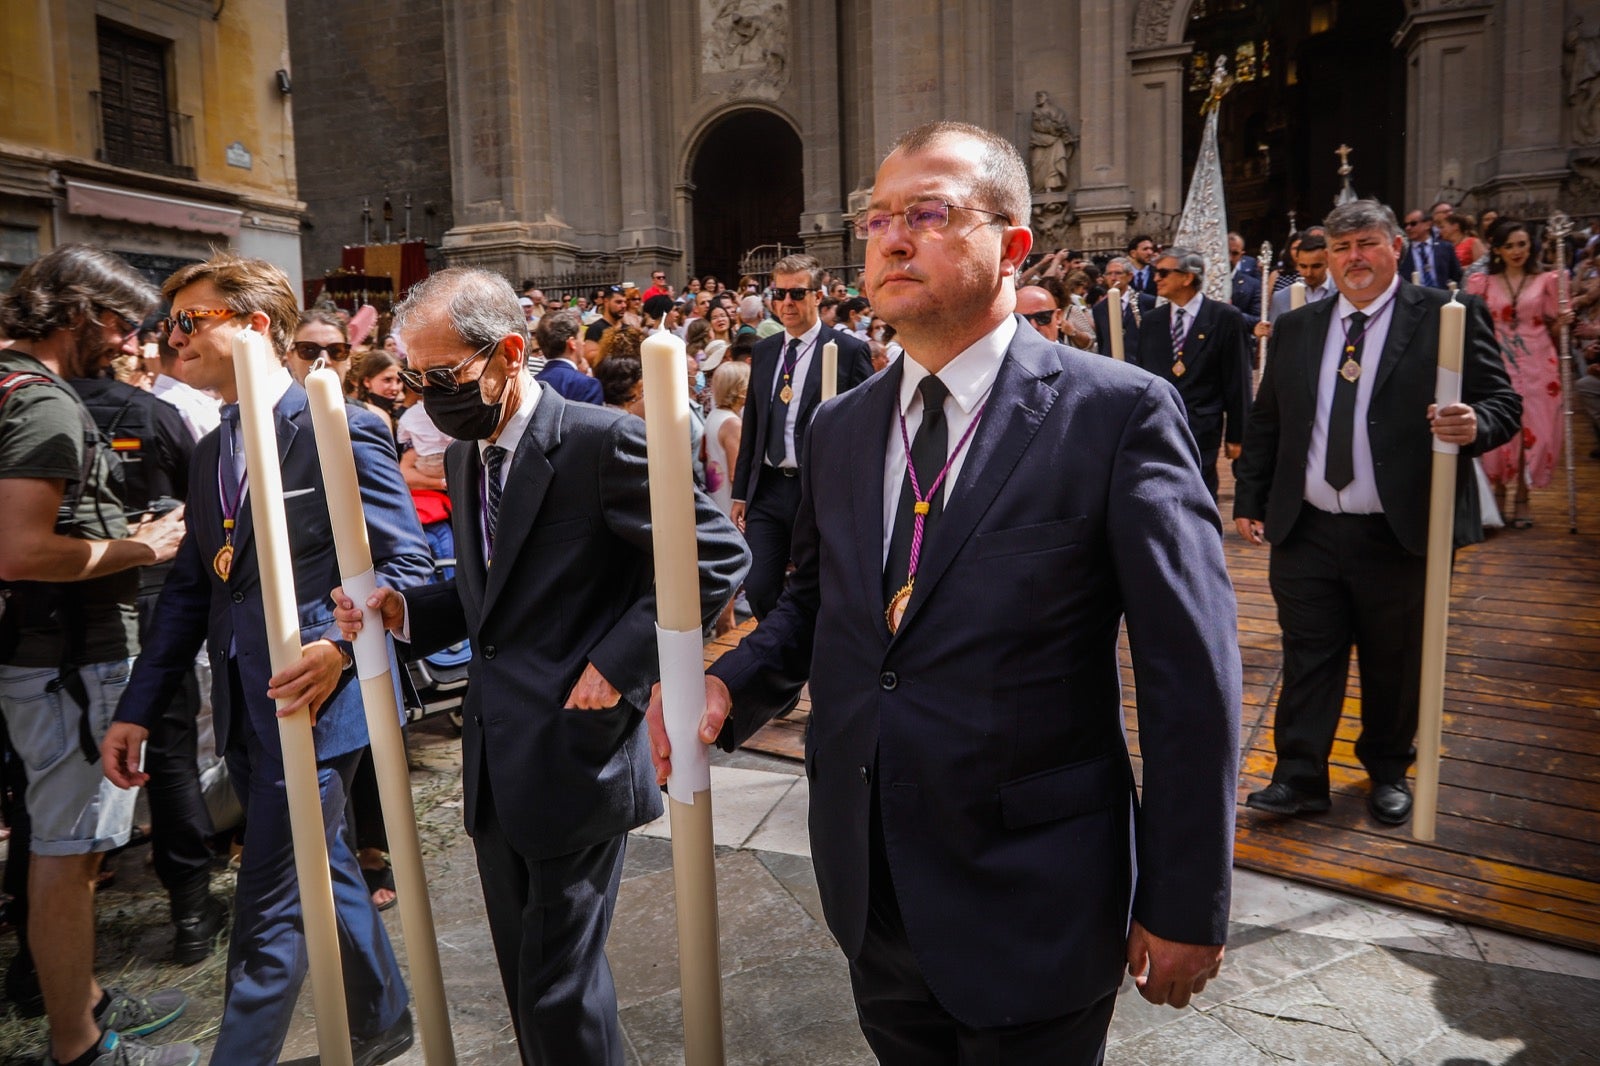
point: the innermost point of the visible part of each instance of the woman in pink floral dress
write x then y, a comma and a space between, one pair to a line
1522, 300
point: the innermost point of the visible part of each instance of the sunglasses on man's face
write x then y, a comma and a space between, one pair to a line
1162, 272
338, 351
1042, 318
796, 294
443, 378
185, 320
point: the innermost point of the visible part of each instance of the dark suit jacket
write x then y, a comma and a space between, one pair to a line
993, 719
197, 606
855, 366
572, 383
572, 583
1145, 280
1270, 476
1130, 325
1215, 384
1446, 266
1246, 297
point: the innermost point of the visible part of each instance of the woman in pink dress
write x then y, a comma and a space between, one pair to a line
1522, 300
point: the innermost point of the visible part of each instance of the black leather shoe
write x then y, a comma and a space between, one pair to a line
1279, 798
1390, 804
197, 931
386, 1046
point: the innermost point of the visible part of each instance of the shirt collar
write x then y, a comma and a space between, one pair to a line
1346, 308
807, 339
511, 436
970, 375
1192, 308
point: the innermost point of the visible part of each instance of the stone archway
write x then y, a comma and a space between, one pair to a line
748, 189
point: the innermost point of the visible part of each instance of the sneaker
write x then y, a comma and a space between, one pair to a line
133, 1015
118, 1050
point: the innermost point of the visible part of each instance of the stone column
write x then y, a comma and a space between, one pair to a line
1532, 154
1104, 200
1155, 126
815, 34
647, 239
1451, 126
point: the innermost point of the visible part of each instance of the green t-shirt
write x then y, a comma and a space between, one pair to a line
42, 429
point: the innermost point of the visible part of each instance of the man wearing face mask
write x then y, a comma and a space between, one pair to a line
214, 595
554, 586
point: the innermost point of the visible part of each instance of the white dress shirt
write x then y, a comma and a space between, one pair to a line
278, 382
1191, 311
201, 413
970, 378
797, 382
1361, 495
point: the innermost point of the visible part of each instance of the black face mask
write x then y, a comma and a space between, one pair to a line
462, 414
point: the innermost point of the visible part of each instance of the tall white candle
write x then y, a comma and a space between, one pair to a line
253, 362
1114, 322
672, 502
342, 489
1297, 295
830, 370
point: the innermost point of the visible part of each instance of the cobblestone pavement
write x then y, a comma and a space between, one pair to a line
1311, 976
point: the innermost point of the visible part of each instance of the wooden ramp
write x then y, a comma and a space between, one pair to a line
1518, 843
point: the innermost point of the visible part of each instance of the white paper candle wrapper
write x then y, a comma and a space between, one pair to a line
1446, 391
683, 703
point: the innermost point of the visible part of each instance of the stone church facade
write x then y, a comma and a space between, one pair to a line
542, 140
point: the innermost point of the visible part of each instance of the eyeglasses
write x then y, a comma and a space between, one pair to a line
920, 217
338, 351
124, 327
185, 320
1162, 272
443, 378
1042, 318
796, 294
658, 277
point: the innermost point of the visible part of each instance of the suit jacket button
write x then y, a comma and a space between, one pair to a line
238, 597
888, 680
488, 651
866, 775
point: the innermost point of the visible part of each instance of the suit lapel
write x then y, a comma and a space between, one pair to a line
526, 484
464, 474
867, 442
1316, 340
1408, 314
283, 416
1016, 408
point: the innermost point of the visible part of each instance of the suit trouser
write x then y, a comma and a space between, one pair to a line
267, 954
549, 919
769, 530
1340, 580
179, 821
905, 1025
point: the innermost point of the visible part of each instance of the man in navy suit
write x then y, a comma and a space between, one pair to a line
1246, 288
560, 339
1142, 250
214, 594
955, 607
1135, 306
1199, 345
785, 388
1428, 260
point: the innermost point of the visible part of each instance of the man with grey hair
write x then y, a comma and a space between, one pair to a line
974, 525
1337, 463
562, 626
1135, 306
751, 312
1200, 346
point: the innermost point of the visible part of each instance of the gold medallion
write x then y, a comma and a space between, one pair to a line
1350, 371
1178, 368
786, 394
222, 562
897, 606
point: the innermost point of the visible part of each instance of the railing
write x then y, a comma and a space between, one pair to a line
588, 276
159, 142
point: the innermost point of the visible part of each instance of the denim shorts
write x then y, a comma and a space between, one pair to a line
75, 810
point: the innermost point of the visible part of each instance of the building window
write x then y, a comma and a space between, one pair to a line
137, 127
19, 246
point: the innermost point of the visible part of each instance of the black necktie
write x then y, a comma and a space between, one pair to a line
930, 449
777, 449
494, 458
1341, 466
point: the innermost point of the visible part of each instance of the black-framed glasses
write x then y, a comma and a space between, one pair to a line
798, 293
125, 327
920, 217
443, 378
1162, 272
1042, 318
337, 351
185, 320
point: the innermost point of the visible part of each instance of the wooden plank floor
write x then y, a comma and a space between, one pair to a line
1518, 843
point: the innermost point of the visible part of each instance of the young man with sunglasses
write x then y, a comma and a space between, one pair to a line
554, 586
214, 596
69, 632
785, 389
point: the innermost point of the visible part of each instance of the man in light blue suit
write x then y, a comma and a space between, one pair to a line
214, 594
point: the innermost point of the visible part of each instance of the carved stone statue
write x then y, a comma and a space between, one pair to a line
745, 35
1051, 145
1583, 81
1049, 224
